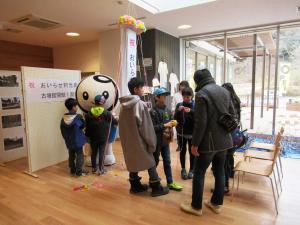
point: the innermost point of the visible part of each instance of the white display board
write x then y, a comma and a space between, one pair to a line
12, 123
44, 93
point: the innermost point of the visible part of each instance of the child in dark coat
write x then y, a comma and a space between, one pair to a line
71, 126
162, 121
98, 123
184, 114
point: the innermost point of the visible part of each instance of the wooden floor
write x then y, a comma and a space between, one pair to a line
51, 200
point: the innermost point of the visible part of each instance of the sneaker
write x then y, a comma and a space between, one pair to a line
94, 170
175, 187
190, 174
85, 171
186, 207
82, 174
102, 171
215, 208
184, 176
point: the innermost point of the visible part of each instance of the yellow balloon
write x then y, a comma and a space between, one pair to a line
174, 123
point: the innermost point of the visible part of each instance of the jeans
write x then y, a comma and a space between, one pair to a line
229, 166
182, 142
201, 164
153, 176
76, 160
164, 150
98, 148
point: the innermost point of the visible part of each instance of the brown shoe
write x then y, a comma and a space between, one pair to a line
186, 207
215, 208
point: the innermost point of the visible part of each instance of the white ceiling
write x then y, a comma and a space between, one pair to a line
90, 17
159, 6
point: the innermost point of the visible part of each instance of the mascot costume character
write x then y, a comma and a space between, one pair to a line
86, 91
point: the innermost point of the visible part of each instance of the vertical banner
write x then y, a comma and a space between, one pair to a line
128, 58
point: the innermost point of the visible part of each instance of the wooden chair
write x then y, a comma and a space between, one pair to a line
266, 146
259, 169
269, 155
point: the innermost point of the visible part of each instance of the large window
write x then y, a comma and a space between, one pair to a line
265, 77
288, 113
190, 64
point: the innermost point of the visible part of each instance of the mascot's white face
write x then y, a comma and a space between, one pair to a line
94, 85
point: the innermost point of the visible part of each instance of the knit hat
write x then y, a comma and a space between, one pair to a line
202, 78
99, 100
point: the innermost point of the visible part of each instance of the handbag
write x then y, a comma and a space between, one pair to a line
239, 137
168, 135
226, 120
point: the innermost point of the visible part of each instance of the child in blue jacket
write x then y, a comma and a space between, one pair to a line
71, 126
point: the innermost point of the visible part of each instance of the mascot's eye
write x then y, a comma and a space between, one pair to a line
85, 95
105, 94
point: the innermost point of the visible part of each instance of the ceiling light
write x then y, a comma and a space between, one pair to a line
184, 27
72, 34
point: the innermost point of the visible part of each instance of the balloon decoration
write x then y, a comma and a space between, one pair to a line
137, 25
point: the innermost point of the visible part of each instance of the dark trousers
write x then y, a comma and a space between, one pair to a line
164, 151
229, 166
182, 142
76, 160
98, 148
153, 176
201, 164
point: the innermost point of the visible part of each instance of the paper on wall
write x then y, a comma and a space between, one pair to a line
50, 90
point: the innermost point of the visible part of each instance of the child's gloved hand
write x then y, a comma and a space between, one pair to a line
187, 110
169, 124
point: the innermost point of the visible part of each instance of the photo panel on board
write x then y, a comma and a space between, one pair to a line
14, 142
12, 122
10, 103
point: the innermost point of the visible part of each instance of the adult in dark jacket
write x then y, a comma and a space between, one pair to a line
71, 126
98, 123
210, 141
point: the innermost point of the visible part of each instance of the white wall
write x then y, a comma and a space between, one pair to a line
83, 56
100, 55
109, 47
